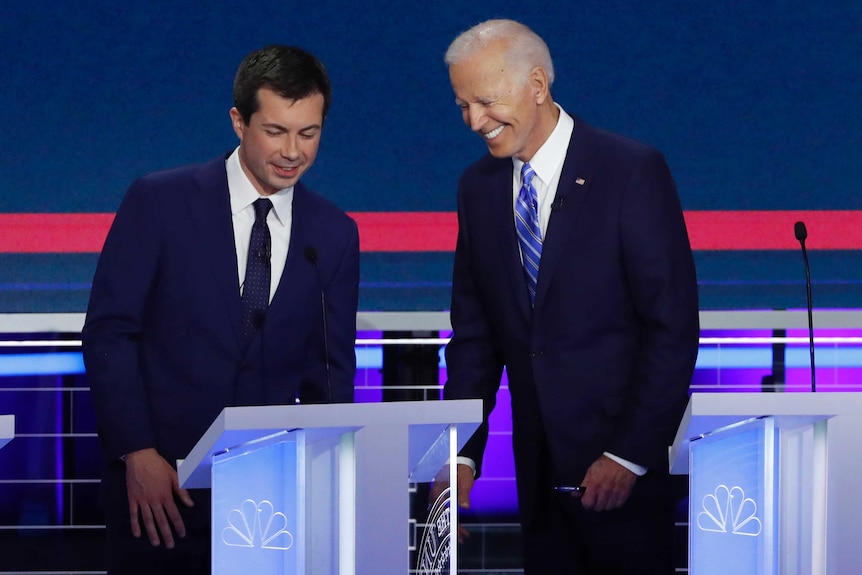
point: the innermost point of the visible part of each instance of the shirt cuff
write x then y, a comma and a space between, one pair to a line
633, 467
466, 461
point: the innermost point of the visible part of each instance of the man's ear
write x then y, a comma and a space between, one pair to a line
538, 82
237, 122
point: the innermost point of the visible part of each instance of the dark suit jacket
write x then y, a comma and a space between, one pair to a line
604, 360
163, 339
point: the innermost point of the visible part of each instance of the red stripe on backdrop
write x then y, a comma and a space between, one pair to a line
407, 231
436, 231
53, 233
773, 230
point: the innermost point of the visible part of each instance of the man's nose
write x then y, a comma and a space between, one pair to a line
289, 148
475, 117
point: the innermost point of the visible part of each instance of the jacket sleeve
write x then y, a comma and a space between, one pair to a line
473, 362
343, 292
660, 273
126, 270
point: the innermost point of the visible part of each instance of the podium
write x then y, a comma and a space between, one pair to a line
323, 489
773, 482
7, 429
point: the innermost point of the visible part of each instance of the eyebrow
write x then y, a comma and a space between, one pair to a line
480, 100
276, 126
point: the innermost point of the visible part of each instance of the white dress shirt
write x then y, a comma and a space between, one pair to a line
280, 218
547, 162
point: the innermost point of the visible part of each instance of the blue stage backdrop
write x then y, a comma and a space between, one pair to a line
756, 106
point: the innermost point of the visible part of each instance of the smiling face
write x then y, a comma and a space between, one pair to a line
513, 114
280, 141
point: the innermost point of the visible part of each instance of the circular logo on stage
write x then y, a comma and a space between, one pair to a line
433, 557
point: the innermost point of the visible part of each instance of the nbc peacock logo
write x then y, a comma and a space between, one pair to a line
257, 525
728, 510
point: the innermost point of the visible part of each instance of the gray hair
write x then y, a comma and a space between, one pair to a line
525, 50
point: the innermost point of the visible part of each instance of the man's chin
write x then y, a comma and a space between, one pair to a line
281, 182
497, 150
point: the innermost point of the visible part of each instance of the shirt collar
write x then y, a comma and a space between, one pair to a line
243, 193
548, 158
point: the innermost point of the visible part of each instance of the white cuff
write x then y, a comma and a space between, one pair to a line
633, 467
466, 461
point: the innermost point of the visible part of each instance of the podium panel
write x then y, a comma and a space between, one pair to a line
433, 518
732, 511
773, 482
7, 429
254, 511
325, 489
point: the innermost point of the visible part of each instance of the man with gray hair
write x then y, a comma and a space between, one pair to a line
573, 271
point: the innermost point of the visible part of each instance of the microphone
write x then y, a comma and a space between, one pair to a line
263, 251
558, 202
311, 257
258, 318
801, 234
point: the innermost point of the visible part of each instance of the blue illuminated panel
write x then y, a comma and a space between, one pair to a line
732, 511
255, 515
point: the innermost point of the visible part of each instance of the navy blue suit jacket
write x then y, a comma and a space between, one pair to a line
163, 339
604, 359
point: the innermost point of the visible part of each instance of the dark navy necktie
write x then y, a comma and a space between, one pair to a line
255, 290
527, 226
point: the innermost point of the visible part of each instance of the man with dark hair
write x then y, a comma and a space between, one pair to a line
208, 294
288, 71
573, 271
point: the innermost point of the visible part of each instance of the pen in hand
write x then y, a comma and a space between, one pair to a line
573, 489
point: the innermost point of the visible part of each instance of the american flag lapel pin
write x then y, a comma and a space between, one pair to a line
580, 181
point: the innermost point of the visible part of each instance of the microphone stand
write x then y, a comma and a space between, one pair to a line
311, 257
801, 234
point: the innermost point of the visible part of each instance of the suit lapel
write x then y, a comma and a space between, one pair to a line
209, 206
297, 269
575, 181
502, 217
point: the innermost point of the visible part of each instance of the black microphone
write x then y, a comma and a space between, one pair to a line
258, 318
263, 251
558, 202
801, 235
311, 256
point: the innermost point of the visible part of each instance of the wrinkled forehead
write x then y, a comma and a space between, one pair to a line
485, 74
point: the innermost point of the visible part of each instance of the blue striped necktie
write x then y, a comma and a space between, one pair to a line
527, 226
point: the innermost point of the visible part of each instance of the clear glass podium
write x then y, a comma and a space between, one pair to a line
326, 489
773, 482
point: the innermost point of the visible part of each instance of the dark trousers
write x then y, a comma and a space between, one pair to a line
563, 538
128, 555
636, 539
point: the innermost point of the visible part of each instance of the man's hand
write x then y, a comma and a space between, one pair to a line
465, 484
608, 485
151, 483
